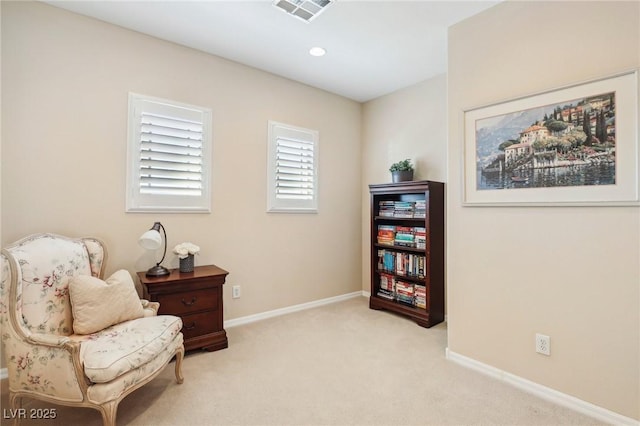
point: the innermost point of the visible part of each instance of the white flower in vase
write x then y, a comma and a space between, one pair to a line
183, 250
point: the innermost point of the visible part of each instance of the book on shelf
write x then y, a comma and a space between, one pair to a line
387, 282
420, 295
404, 236
403, 209
386, 261
386, 234
386, 208
385, 294
420, 209
400, 264
380, 262
405, 292
420, 237
405, 287
403, 264
393, 288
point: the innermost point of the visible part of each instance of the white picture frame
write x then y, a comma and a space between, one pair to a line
544, 164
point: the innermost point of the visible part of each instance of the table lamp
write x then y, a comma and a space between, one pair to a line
152, 240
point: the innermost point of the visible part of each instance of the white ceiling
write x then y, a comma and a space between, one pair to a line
373, 47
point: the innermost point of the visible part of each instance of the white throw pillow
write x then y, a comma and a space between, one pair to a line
98, 304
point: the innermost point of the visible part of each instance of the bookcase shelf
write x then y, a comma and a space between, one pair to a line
399, 219
399, 248
407, 267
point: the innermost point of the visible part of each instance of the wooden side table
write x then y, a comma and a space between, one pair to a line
196, 297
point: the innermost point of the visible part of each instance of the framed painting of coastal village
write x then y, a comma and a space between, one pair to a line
576, 145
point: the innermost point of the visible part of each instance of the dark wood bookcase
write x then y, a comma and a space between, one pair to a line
407, 264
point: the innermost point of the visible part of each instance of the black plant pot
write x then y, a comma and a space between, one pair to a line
401, 176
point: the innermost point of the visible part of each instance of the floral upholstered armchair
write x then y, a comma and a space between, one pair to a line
70, 338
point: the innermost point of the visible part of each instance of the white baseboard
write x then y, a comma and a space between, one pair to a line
283, 311
4, 373
544, 392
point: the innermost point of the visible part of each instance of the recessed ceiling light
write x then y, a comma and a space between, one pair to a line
317, 51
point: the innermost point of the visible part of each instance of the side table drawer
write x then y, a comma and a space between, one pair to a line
195, 297
188, 301
195, 325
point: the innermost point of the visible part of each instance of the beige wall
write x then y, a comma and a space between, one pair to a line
409, 123
570, 273
66, 80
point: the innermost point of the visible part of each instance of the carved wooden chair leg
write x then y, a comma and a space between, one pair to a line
15, 401
179, 358
109, 411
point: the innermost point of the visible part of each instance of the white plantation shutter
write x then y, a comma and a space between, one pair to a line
292, 185
294, 169
169, 156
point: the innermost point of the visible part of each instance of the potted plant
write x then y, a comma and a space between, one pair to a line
401, 171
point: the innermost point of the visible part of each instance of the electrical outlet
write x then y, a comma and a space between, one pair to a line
235, 291
543, 344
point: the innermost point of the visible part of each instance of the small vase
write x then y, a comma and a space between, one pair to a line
187, 264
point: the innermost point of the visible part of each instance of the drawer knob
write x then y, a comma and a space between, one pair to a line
193, 300
190, 327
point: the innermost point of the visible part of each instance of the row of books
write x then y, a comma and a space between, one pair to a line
405, 236
402, 209
397, 290
403, 264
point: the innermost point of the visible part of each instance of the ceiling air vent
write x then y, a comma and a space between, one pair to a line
307, 10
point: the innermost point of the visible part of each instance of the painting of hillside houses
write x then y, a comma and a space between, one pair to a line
572, 143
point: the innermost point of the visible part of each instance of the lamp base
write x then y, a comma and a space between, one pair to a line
157, 271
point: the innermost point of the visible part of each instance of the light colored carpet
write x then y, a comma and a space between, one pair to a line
340, 364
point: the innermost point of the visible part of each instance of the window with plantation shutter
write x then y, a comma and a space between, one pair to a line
293, 169
169, 156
